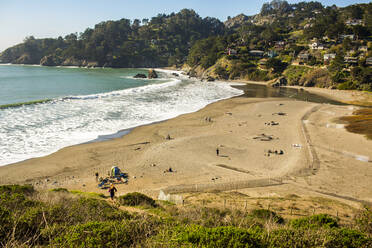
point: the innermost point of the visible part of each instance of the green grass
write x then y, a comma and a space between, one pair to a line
87, 194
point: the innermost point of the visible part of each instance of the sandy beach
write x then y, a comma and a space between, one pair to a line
302, 151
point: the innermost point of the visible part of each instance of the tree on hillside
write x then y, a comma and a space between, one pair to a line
275, 6
276, 65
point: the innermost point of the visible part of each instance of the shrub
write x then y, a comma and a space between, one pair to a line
277, 65
95, 234
20, 189
136, 199
315, 221
221, 72
364, 220
220, 237
347, 238
15, 201
257, 75
317, 77
320, 237
267, 215
348, 85
59, 190
295, 73
5, 223
90, 209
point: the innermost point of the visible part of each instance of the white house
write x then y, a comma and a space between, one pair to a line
329, 56
363, 49
316, 46
369, 61
354, 22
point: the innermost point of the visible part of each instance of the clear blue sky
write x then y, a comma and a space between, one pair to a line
51, 18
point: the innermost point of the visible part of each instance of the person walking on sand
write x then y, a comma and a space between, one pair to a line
218, 152
112, 191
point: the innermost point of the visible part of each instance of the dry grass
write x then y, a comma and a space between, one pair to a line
360, 122
289, 207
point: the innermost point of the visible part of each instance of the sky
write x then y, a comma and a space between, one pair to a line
53, 18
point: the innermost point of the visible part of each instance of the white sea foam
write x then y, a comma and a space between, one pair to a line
40, 129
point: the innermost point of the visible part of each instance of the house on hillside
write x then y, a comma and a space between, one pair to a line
280, 45
363, 49
351, 60
369, 61
344, 36
304, 57
272, 54
257, 53
262, 62
354, 22
231, 51
327, 58
316, 46
350, 53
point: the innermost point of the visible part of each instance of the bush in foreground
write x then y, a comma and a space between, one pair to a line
315, 221
136, 199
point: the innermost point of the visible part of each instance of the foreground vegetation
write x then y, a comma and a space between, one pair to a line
59, 218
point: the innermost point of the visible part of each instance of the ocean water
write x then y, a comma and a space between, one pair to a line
88, 103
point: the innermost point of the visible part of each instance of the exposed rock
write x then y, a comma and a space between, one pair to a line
210, 79
192, 73
24, 59
92, 64
48, 60
175, 74
72, 62
282, 81
152, 74
236, 21
140, 75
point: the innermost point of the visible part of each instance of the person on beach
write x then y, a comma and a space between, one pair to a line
218, 152
97, 176
112, 191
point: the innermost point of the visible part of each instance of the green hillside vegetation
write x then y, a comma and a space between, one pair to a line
164, 40
59, 218
334, 44
296, 39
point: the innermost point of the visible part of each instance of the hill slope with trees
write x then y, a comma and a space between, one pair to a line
164, 40
308, 43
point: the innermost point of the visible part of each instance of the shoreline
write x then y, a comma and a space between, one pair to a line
123, 132
145, 153
354, 97
102, 137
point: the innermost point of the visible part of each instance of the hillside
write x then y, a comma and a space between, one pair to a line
62, 218
164, 40
310, 44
